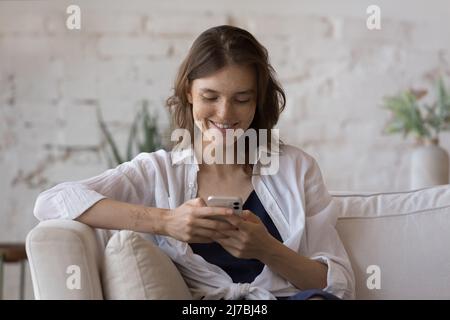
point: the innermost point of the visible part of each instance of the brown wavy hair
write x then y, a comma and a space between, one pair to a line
214, 49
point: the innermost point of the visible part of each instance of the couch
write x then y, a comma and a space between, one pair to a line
396, 241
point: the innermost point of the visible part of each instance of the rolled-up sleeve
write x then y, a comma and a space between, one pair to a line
69, 200
321, 240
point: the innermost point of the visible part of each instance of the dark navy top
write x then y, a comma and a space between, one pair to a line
240, 270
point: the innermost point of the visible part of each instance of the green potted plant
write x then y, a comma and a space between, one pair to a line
425, 121
144, 136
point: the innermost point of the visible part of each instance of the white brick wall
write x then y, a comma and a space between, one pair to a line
334, 70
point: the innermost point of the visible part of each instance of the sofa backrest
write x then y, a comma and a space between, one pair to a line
401, 238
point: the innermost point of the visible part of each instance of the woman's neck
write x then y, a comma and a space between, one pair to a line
221, 170
223, 165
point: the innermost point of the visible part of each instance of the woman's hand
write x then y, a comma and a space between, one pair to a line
249, 239
191, 222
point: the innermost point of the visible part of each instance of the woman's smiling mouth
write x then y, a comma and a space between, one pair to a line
223, 126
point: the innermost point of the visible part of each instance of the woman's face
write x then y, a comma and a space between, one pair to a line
225, 99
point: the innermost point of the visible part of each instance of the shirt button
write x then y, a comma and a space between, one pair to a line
191, 185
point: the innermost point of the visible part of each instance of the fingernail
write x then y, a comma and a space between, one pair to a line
229, 211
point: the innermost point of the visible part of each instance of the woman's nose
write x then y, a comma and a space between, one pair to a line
225, 110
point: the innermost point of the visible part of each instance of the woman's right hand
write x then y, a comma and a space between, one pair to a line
191, 222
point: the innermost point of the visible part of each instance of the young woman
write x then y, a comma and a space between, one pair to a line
284, 245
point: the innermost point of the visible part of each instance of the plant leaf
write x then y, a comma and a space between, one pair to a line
109, 138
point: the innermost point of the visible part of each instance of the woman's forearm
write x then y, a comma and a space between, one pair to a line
116, 215
299, 270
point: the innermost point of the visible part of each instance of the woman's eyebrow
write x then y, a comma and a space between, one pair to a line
207, 90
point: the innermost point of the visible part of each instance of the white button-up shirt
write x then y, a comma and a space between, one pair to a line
295, 198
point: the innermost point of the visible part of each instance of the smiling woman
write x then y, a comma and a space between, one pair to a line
226, 82
283, 245
242, 75
231, 108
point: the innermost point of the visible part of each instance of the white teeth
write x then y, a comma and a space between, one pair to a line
222, 126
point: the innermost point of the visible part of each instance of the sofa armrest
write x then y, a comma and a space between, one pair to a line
64, 258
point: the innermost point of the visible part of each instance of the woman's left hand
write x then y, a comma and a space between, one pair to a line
250, 240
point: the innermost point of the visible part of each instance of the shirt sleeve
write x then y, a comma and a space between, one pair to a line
69, 200
321, 241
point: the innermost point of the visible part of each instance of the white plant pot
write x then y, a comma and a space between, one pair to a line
429, 166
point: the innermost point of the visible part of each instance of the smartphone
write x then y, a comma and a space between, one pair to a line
234, 203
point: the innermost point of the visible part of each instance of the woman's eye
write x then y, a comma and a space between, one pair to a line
209, 98
243, 101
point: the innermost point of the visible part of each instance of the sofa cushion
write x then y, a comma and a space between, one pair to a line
136, 269
405, 235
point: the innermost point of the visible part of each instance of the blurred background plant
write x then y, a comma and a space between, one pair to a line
424, 120
144, 136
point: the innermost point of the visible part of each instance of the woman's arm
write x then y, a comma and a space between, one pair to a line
189, 222
321, 262
251, 240
131, 182
121, 198
117, 215
299, 270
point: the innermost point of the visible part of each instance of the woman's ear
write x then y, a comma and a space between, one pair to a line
189, 94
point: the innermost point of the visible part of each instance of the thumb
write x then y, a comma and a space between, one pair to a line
250, 216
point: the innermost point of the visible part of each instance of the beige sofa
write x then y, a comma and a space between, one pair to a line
397, 243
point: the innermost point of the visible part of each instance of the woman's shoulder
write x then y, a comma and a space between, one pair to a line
160, 154
295, 155
150, 160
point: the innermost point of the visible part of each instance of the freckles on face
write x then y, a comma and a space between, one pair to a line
225, 99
